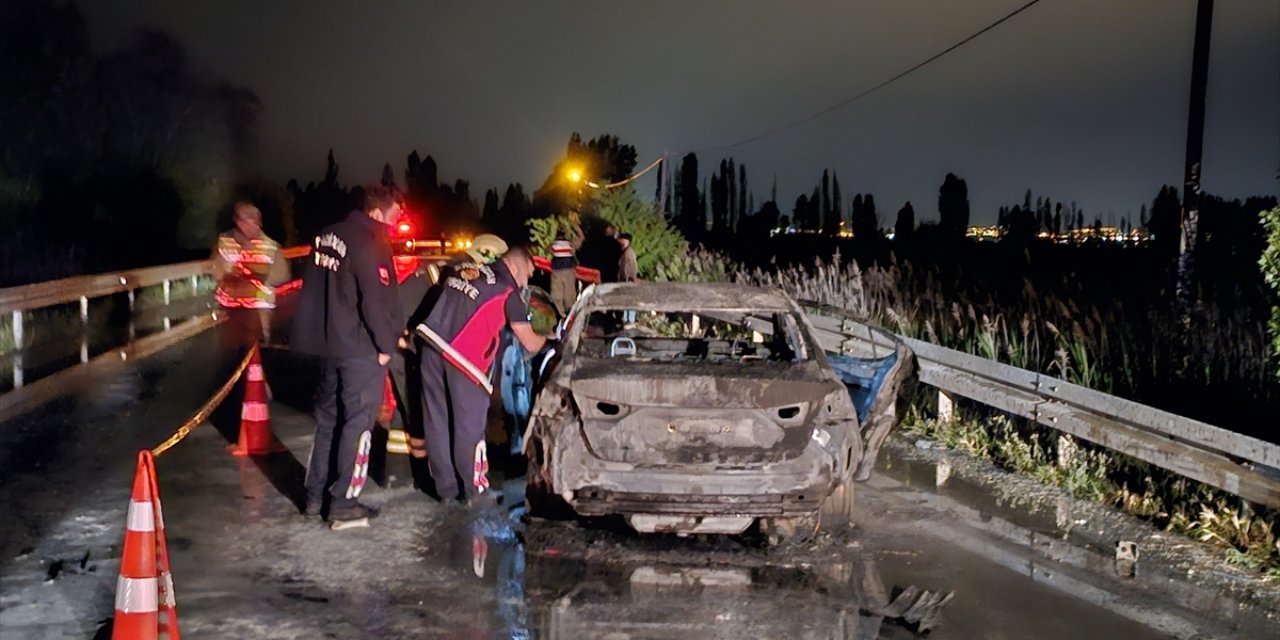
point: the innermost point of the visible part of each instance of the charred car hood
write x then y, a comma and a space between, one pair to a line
728, 414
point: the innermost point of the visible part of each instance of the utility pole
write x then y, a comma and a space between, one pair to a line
663, 170
664, 177
1195, 148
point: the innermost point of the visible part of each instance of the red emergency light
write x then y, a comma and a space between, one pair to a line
403, 227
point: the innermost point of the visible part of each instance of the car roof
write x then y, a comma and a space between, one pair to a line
688, 296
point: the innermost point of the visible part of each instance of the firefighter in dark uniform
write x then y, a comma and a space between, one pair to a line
461, 335
485, 249
348, 317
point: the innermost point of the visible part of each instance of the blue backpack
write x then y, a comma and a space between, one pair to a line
517, 383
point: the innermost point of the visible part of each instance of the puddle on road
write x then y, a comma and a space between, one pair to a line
549, 592
544, 592
569, 580
938, 478
50, 357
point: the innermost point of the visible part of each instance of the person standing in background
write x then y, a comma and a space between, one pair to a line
348, 316
564, 279
627, 269
247, 265
627, 272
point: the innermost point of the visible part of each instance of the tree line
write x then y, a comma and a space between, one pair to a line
114, 158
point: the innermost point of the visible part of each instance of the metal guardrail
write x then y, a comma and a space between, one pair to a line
1236, 463
17, 300
45, 294
22, 299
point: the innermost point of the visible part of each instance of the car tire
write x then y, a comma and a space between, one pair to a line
539, 501
789, 531
837, 509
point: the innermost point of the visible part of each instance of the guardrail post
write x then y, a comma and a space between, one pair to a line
84, 310
166, 293
946, 407
1067, 450
17, 371
84, 350
195, 285
17, 330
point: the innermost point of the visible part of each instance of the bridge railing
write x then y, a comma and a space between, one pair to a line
1236, 463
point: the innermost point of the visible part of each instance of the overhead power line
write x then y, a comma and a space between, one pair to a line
848, 101
629, 178
834, 107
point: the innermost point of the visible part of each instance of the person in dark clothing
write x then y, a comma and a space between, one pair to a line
564, 279
461, 335
348, 317
485, 249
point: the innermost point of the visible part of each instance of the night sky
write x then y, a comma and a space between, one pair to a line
1080, 100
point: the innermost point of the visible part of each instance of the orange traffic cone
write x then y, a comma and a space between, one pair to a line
145, 587
397, 439
255, 419
387, 412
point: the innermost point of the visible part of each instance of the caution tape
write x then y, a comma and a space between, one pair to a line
212, 403
208, 407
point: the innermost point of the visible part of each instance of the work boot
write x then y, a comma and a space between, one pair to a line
482, 501
313, 505
350, 517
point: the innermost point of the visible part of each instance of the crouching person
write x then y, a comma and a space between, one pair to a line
461, 335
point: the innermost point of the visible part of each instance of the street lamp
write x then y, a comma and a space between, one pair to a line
574, 174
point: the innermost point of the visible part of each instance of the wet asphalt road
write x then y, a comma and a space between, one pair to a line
247, 565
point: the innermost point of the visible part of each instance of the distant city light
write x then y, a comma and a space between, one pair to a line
1071, 236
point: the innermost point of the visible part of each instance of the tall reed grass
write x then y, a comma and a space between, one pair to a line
1108, 345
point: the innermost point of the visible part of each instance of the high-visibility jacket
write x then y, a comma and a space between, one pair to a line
247, 274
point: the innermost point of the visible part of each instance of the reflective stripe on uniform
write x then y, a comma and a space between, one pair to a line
456, 358
361, 468
480, 468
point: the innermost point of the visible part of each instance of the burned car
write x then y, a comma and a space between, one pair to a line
698, 408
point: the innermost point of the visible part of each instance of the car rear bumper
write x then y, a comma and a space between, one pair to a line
598, 487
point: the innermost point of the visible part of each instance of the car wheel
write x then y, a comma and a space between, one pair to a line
539, 501
784, 532
837, 509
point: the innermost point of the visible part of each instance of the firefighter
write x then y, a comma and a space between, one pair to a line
485, 249
247, 266
349, 317
461, 335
